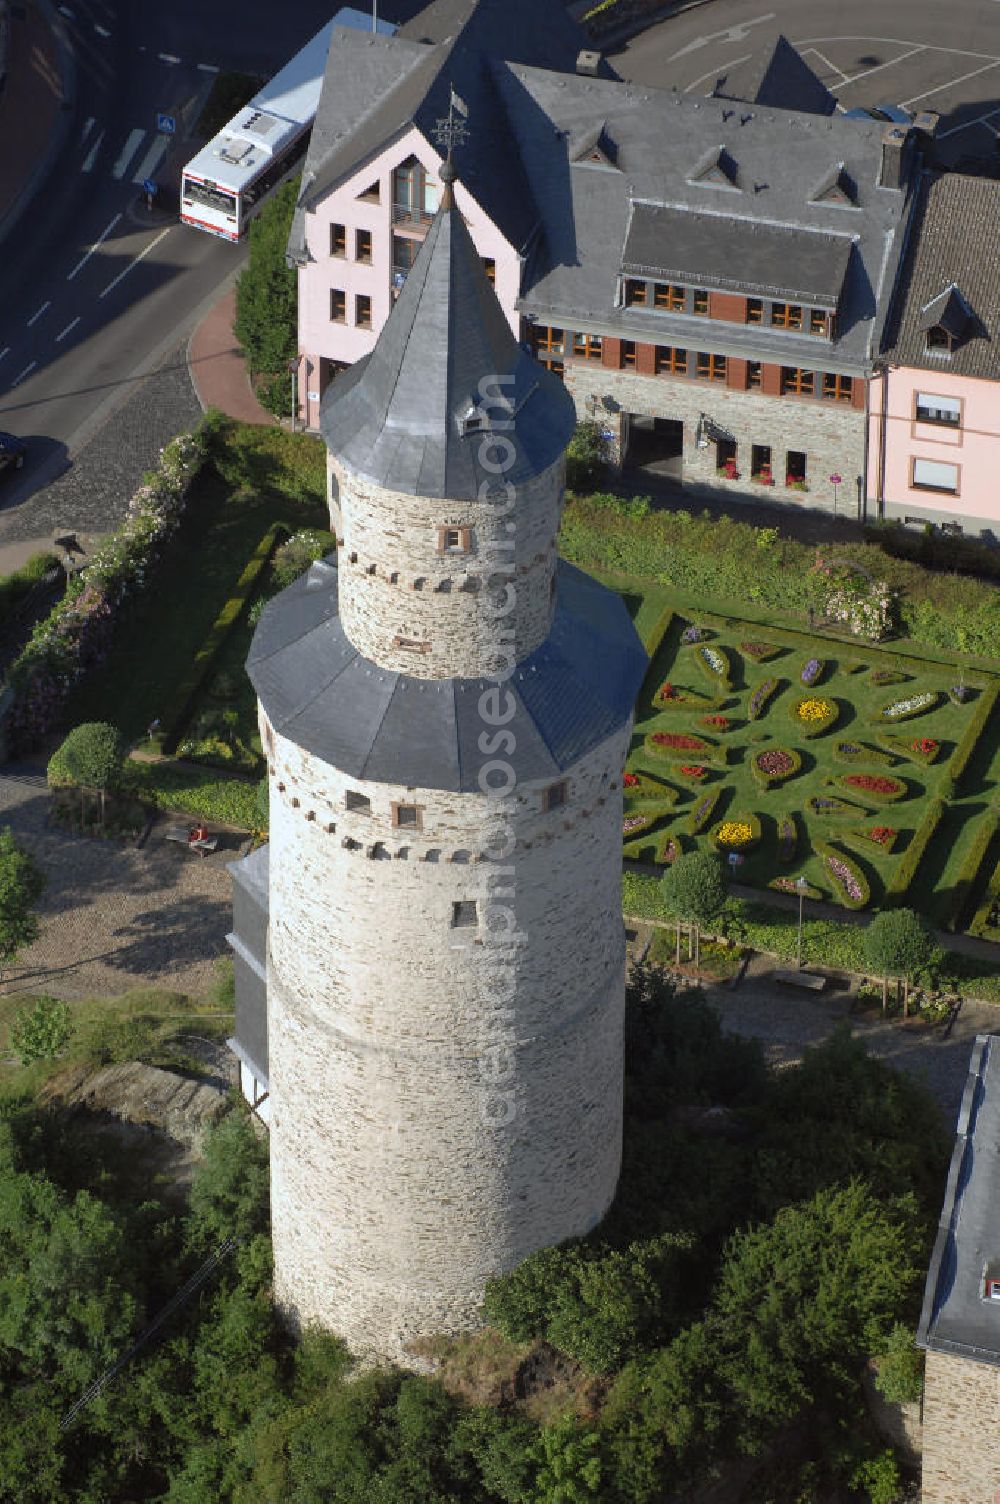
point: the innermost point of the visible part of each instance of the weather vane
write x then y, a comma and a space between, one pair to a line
453, 131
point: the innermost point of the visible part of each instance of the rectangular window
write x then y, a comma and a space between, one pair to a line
554, 797
338, 240
490, 268
359, 804
404, 253
944, 410
363, 245
587, 346
755, 311
934, 475
338, 305
700, 301
795, 468
373, 193
786, 315
753, 373
667, 295
628, 352
796, 382
464, 914
819, 321
407, 816
548, 341
363, 310
760, 462
710, 367
837, 388
414, 196
669, 361
412, 644
635, 293
454, 540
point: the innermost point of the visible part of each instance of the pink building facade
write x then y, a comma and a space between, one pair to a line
360, 240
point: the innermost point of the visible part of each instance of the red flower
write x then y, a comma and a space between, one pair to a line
882, 834
871, 784
692, 770
668, 692
678, 739
924, 744
630, 780
717, 720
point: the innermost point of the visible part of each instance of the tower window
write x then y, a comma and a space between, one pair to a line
407, 816
464, 914
454, 540
411, 644
554, 796
359, 804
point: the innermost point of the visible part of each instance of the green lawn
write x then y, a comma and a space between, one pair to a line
847, 682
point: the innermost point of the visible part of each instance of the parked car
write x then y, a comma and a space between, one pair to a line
892, 114
12, 452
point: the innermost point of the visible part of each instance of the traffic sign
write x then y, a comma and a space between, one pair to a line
836, 480
148, 186
166, 124
734, 859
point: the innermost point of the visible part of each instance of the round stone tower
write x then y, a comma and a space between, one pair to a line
445, 714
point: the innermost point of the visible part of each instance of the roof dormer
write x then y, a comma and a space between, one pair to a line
836, 187
946, 320
595, 147
716, 169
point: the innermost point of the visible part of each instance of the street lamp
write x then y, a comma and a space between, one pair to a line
801, 885
293, 369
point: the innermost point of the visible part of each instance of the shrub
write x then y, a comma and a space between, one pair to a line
265, 322
898, 943
39, 1033
293, 557
702, 812
195, 791
906, 868
857, 752
849, 883
91, 757
968, 872
882, 788
761, 698
973, 731
18, 585
21, 884
586, 456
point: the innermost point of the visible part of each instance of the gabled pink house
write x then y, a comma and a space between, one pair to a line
934, 434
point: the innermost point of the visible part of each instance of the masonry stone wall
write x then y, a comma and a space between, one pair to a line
832, 435
961, 1463
441, 1105
410, 603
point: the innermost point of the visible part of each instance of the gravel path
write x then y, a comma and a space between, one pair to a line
113, 916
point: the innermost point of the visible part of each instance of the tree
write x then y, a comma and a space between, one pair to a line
39, 1033
21, 884
898, 943
266, 295
91, 757
900, 1376
694, 889
229, 1196
569, 1464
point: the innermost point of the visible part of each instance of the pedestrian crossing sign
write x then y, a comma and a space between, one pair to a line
166, 124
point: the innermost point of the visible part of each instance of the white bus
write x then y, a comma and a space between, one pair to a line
227, 183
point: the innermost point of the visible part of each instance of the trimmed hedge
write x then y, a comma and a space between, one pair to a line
765, 780
182, 705
981, 920
703, 749
194, 791
720, 674
906, 868
762, 696
759, 652
897, 790
923, 701
973, 731
18, 585
862, 838
658, 631
648, 787
903, 746
853, 753
809, 729
702, 812
832, 856
743, 818
968, 872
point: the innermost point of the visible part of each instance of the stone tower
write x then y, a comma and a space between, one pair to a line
445, 715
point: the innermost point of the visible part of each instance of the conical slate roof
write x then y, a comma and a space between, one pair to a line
400, 416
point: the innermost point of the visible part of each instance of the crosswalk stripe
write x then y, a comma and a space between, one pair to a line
128, 151
151, 160
91, 157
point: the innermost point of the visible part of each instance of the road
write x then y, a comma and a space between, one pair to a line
919, 54
94, 290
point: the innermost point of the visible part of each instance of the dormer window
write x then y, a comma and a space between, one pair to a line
946, 320
716, 169
555, 796
836, 187
939, 339
636, 293
475, 420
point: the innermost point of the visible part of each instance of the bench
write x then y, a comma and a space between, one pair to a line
801, 979
182, 835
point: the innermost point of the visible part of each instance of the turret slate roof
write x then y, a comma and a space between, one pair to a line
399, 416
572, 692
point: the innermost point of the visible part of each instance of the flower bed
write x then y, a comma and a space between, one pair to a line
792, 885
880, 787
741, 833
715, 722
693, 633
714, 664
761, 698
910, 705
788, 839
694, 772
857, 752
883, 837
639, 786
850, 886
679, 745
669, 850
812, 672
827, 806
958, 694
760, 652
883, 676
814, 715
702, 812
774, 765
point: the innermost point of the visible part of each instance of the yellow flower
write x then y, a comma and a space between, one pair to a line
814, 710
734, 833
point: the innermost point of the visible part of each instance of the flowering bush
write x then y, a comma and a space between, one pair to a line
77, 632
925, 745
692, 634
630, 780
888, 676
668, 692
759, 699
633, 825
855, 752
876, 786
794, 885
734, 834
715, 664
702, 812
827, 804
669, 852
812, 672
882, 835
959, 693
866, 607
902, 710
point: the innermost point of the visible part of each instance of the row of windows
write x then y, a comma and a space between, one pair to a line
362, 308
762, 464
672, 298
362, 243
411, 816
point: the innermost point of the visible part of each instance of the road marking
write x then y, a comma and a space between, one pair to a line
896, 42
36, 316
64, 10
21, 374
102, 31
826, 61
951, 83
151, 160
867, 73
128, 151
167, 57
87, 164
718, 71
967, 125
62, 336
4, 351
207, 67
135, 262
100, 241
738, 33
87, 127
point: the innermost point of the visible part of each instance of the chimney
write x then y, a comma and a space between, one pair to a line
927, 123
588, 63
891, 171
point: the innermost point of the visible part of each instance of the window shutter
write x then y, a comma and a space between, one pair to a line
935, 474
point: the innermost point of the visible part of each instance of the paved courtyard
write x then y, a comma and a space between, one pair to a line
115, 916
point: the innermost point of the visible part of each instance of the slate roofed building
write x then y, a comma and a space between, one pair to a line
710, 276
935, 409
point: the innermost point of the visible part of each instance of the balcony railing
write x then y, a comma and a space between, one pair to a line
409, 214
